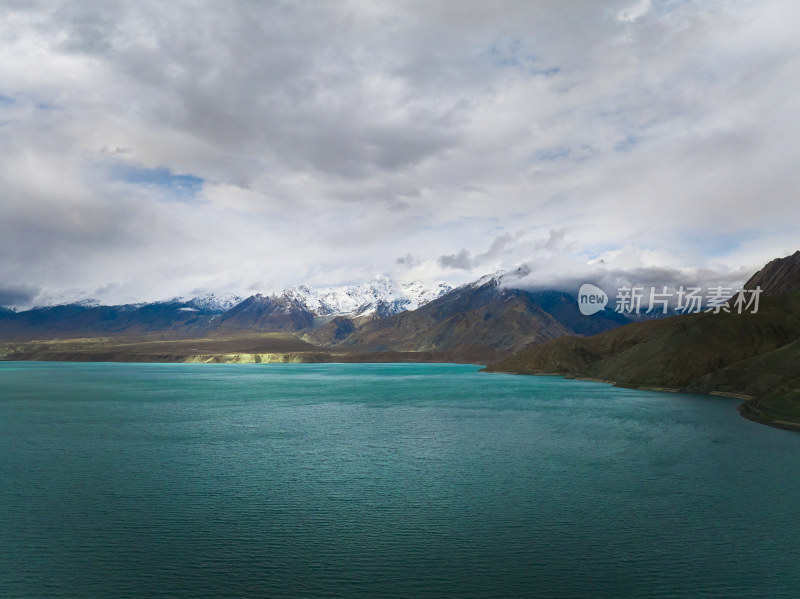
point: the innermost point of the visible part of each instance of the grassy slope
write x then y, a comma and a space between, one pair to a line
772, 379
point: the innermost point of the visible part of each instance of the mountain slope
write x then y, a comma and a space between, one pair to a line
779, 276
772, 379
267, 314
173, 317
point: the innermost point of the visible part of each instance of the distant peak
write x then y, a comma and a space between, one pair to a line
505, 278
215, 302
381, 296
87, 303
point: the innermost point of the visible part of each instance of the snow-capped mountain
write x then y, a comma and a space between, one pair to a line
382, 296
298, 308
502, 278
213, 302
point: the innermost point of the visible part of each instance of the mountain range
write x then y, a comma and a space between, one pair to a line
482, 321
292, 310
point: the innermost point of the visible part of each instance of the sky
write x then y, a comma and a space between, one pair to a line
160, 149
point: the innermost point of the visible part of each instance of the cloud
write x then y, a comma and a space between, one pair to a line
152, 148
635, 11
627, 267
461, 260
408, 260
501, 246
17, 296
554, 241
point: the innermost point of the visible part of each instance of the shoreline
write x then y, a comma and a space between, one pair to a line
748, 409
245, 358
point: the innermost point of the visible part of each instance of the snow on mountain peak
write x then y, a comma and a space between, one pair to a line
504, 278
379, 295
215, 302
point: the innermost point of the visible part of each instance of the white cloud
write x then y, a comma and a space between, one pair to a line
635, 11
331, 140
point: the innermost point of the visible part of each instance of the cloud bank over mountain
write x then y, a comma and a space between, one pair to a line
157, 149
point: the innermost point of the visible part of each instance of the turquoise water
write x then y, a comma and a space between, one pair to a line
180, 480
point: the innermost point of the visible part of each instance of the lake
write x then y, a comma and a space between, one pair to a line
383, 480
